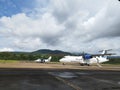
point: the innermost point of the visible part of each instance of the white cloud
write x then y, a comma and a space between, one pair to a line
70, 25
41, 31
6, 49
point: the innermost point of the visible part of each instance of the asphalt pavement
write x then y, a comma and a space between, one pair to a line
39, 79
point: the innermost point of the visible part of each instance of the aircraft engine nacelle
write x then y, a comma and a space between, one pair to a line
86, 57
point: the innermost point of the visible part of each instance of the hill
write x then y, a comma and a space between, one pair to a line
48, 51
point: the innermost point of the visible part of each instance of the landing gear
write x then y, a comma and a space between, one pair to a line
63, 63
88, 64
83, 64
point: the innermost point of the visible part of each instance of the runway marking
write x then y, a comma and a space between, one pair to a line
69, 83
101, 80
65, 81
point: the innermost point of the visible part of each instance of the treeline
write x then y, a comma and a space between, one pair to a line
22, 56
113, 61
27, 56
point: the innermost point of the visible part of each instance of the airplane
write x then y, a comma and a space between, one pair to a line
43, 60
88, 59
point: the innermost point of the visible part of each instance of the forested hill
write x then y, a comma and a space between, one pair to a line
42, 53
48, 51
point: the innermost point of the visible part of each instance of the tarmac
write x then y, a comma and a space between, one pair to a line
55, 78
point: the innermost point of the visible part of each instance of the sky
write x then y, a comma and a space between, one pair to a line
68, 25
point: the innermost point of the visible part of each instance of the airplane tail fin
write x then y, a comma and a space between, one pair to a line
105, 52
49, 58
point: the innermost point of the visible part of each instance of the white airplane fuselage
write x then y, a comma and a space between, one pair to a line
71, 59
98, 60
81, 60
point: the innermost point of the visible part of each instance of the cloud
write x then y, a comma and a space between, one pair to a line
6, 49
106, 22
70, 25
25, 29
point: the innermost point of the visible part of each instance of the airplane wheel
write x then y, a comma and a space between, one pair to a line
82, 64
63, 63
88, 64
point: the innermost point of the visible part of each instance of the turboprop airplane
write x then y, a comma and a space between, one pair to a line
88, 59
43, 60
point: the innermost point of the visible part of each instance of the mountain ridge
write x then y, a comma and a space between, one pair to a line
49, 51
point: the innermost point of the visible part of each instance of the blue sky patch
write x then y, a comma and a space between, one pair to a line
11, 7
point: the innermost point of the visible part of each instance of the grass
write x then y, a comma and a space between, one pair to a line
9, 61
